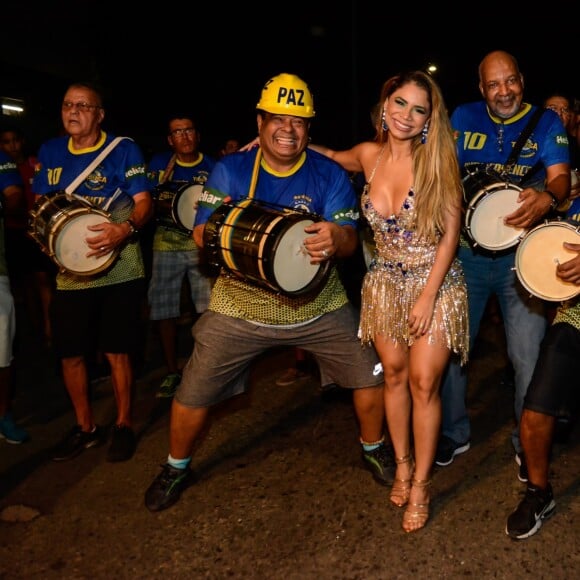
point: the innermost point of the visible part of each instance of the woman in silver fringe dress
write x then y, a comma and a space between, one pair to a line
414, 298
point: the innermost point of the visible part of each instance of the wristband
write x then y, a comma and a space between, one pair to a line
555, 201
134, 230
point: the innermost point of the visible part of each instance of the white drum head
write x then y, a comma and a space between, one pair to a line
487, 227
187, 205
70, 247
537, 257
291, 262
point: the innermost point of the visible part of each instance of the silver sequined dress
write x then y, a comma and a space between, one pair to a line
398, 273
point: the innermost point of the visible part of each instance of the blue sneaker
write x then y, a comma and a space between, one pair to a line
11, 432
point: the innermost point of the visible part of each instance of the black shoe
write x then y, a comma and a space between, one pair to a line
75, 442
167, 487
381, 463
523, 470
447, 449
526, 519
123, 444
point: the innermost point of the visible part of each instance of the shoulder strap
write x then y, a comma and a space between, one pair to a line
71, 188
511, 161
168, 169
379, 157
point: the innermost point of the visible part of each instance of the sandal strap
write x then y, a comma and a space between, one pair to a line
405, 459
421, 482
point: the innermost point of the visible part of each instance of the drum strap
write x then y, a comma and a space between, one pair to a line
513, 157
72, 187
168, 169
255, 171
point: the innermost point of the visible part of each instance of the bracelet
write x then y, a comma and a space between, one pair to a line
555, 201
134, 231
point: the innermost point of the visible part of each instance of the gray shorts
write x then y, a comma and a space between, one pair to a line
225, 348
168, 272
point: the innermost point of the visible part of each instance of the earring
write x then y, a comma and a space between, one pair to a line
384, 122
424, 133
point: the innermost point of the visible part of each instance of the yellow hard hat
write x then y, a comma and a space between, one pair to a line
287, 94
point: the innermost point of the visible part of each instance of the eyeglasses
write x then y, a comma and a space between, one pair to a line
559, 110
189, 131
84, 107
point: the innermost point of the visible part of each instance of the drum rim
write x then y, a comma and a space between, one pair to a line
567, 224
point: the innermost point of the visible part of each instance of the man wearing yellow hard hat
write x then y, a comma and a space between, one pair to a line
275, 219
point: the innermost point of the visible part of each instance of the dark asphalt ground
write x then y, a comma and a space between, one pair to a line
281, 491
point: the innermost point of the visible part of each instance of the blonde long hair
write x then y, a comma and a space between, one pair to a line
437, 179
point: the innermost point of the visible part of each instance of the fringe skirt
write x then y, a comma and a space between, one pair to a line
388, 295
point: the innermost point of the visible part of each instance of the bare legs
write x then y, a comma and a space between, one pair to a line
412, 404
536, 434
368, 406
186, 425
168, 336
75, 376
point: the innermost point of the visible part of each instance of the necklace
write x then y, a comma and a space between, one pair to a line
500, 137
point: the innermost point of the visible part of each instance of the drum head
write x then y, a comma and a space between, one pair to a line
187, 205
485, 218
291, 263
70, 247
537, 256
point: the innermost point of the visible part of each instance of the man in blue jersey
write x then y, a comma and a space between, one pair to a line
101, 282
11, 197
537, 181
255, 304
177, 178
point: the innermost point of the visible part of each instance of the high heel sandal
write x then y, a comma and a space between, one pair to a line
401, 489
417, 514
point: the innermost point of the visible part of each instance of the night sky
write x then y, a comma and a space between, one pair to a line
215, 63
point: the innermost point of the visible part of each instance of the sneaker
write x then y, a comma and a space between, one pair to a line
169, 386
526, 519
447, 449
123, 444
167, 487
75, 442
11, 432
381, 463
290, 376
523, 470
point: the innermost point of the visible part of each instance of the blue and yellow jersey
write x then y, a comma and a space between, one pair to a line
485, 141
316, 185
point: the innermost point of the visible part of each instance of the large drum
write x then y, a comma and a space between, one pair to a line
264, 245
538, 254
489, 199
59, 222
175, 204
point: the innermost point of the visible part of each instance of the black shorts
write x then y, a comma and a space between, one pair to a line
555, 385
108, 319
